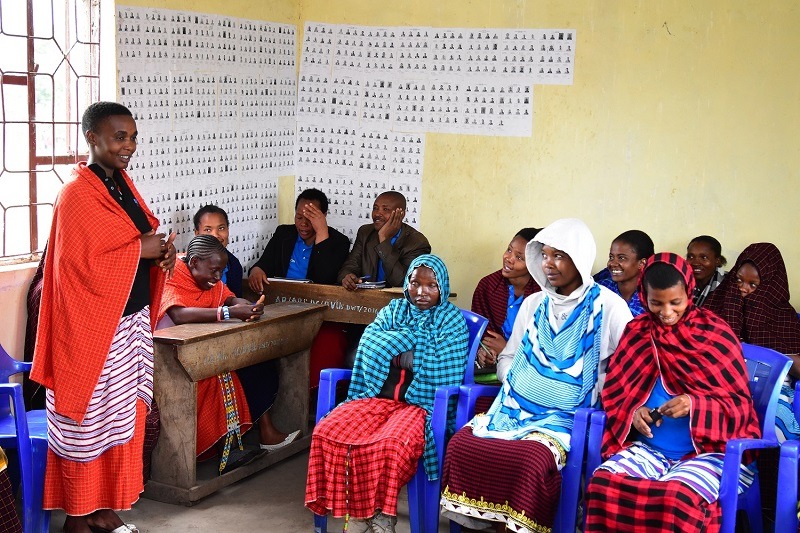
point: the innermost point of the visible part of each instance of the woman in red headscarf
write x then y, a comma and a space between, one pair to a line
676, 392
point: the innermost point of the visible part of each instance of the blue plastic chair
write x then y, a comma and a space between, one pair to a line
766, 370
34, 518
788, 471
424, 515
567, 513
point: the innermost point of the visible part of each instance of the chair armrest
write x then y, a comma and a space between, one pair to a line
439, 418
597, 425
729, 484
786, 505
326, 395
467, 396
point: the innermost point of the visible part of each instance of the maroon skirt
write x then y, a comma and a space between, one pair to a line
515, 482
362, 453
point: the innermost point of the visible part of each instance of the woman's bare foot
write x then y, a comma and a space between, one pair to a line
76, 524
104, 519
267, 433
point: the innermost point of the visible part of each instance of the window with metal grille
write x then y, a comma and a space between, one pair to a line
50, 69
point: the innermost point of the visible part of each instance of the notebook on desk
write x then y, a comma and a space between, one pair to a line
371, 285
289, 280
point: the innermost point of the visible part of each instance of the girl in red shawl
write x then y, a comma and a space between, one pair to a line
753, 298
196, 294
676, 392
94, 349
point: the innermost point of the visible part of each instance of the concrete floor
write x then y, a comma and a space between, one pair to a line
270, 501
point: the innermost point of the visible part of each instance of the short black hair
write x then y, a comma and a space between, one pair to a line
99, 111
660, 276
203, 247
208, 209
528, 233
311, 195
640, 241
397, 196
712, 243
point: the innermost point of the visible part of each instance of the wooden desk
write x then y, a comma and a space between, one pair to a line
352, 307
188, 353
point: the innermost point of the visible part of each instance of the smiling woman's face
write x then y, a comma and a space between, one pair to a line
668, 304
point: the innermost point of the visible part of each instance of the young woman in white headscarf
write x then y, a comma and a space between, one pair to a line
554, 362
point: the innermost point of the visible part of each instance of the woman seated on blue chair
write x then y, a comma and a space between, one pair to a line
676, 392
626, 258
753, 298
366, 449
498, 297
504, 467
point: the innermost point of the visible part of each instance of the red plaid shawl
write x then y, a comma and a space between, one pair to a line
182, 291
765, 317
699, 356
88, 276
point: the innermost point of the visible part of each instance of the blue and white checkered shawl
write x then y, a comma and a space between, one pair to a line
553, 374
438, 337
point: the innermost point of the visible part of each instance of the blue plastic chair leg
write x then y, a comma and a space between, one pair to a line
41, 516
320, 523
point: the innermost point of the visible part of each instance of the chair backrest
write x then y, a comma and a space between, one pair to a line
10, 366
766, 370
476, 324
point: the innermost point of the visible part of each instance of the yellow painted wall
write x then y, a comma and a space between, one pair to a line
684, 119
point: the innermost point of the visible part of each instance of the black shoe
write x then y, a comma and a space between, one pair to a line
237, 458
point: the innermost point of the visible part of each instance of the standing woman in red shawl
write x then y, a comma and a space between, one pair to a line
685, 364
94, 347
753, 298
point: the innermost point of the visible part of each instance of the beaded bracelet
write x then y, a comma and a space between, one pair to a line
219, 314
226, 313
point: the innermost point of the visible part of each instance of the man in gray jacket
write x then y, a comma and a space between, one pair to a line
384, 249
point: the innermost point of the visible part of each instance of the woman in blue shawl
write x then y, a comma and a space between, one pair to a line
366, 449
554, 362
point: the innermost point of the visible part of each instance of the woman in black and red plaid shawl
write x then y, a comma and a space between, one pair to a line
686, 363
754, 300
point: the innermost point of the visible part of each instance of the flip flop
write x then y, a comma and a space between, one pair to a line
290, 438
236, 458
124, 528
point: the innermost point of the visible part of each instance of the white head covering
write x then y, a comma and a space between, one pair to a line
569, 235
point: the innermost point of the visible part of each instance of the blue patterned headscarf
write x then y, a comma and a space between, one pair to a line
439, 338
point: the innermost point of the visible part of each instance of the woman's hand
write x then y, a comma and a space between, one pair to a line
167, 260
257, 279
247, 311
152, 245
642, 421
491, 346
677, 407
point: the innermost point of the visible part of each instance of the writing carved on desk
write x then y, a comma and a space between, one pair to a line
243, 350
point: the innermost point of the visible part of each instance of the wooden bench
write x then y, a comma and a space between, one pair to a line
187, 353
